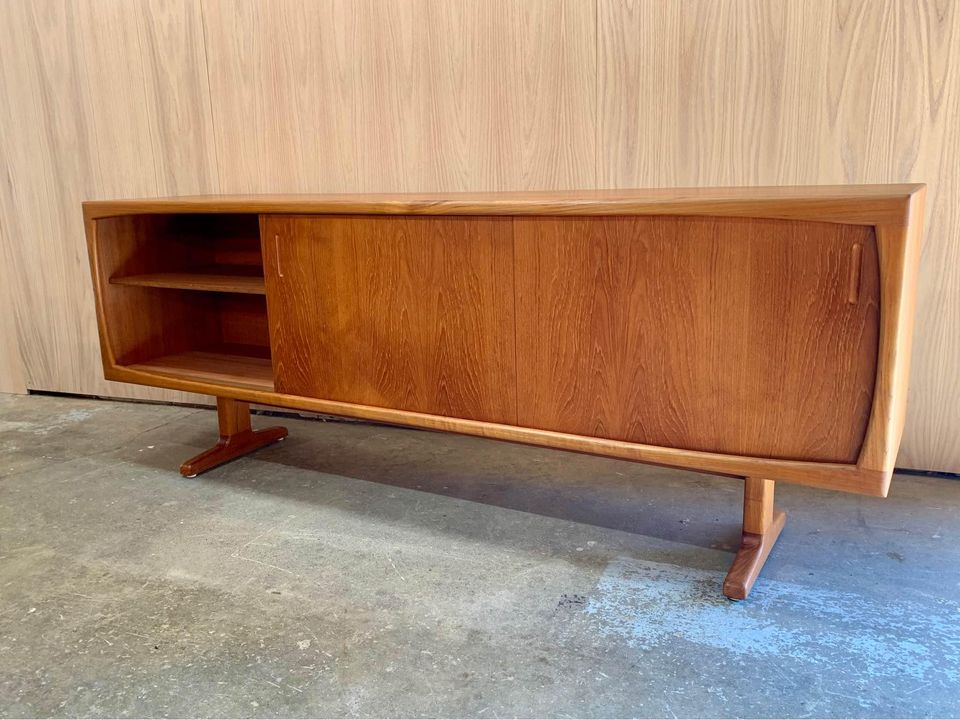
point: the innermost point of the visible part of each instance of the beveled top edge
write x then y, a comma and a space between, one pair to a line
859, 204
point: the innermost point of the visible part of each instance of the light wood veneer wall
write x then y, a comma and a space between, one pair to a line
117, 98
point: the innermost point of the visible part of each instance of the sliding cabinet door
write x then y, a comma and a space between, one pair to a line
749, 337
411, 313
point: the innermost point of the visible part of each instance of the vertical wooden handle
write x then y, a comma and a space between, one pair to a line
276, 250
853, 281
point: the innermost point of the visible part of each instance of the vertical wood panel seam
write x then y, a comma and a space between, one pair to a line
213, 119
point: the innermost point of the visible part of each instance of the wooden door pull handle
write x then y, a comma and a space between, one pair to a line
276, 250
853, 282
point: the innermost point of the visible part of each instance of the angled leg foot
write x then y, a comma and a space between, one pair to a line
236, 438
761, 528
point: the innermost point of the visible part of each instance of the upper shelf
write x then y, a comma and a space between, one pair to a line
228, 280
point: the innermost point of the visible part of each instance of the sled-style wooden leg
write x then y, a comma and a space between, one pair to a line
236, 438
761, 528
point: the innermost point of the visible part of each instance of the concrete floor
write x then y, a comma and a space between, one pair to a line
358, 570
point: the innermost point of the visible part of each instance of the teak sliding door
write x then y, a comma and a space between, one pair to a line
739, 336
410, 313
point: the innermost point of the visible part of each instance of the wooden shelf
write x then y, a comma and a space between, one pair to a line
225, 279
221, 368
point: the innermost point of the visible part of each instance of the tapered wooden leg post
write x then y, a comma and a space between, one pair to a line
236, 438
761, 528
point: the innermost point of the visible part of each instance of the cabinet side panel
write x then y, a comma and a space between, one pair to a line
409, 313
739, 336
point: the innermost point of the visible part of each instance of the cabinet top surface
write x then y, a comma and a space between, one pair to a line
861, 204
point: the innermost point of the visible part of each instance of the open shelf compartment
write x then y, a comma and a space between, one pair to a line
185, 297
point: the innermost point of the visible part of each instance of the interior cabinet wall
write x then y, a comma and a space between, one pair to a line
111, 99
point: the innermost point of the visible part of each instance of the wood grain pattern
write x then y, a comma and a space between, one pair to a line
12, 379
110, 99
228, 369
409, 313
711, 334
317, 265
762, 526
97, 99
243, 321
899, 251
421, 95
849, 204
754, 92
758, 495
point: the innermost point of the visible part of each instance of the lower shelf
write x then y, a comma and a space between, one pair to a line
214, 367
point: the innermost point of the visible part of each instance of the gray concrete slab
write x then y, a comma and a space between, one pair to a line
358, 570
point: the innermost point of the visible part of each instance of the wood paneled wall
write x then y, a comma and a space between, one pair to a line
123, 98
12, 379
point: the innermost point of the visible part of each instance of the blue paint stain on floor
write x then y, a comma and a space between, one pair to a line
845, 640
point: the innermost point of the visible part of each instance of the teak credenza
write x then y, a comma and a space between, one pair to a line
762, 333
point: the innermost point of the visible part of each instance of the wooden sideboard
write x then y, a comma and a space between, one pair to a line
762, 333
